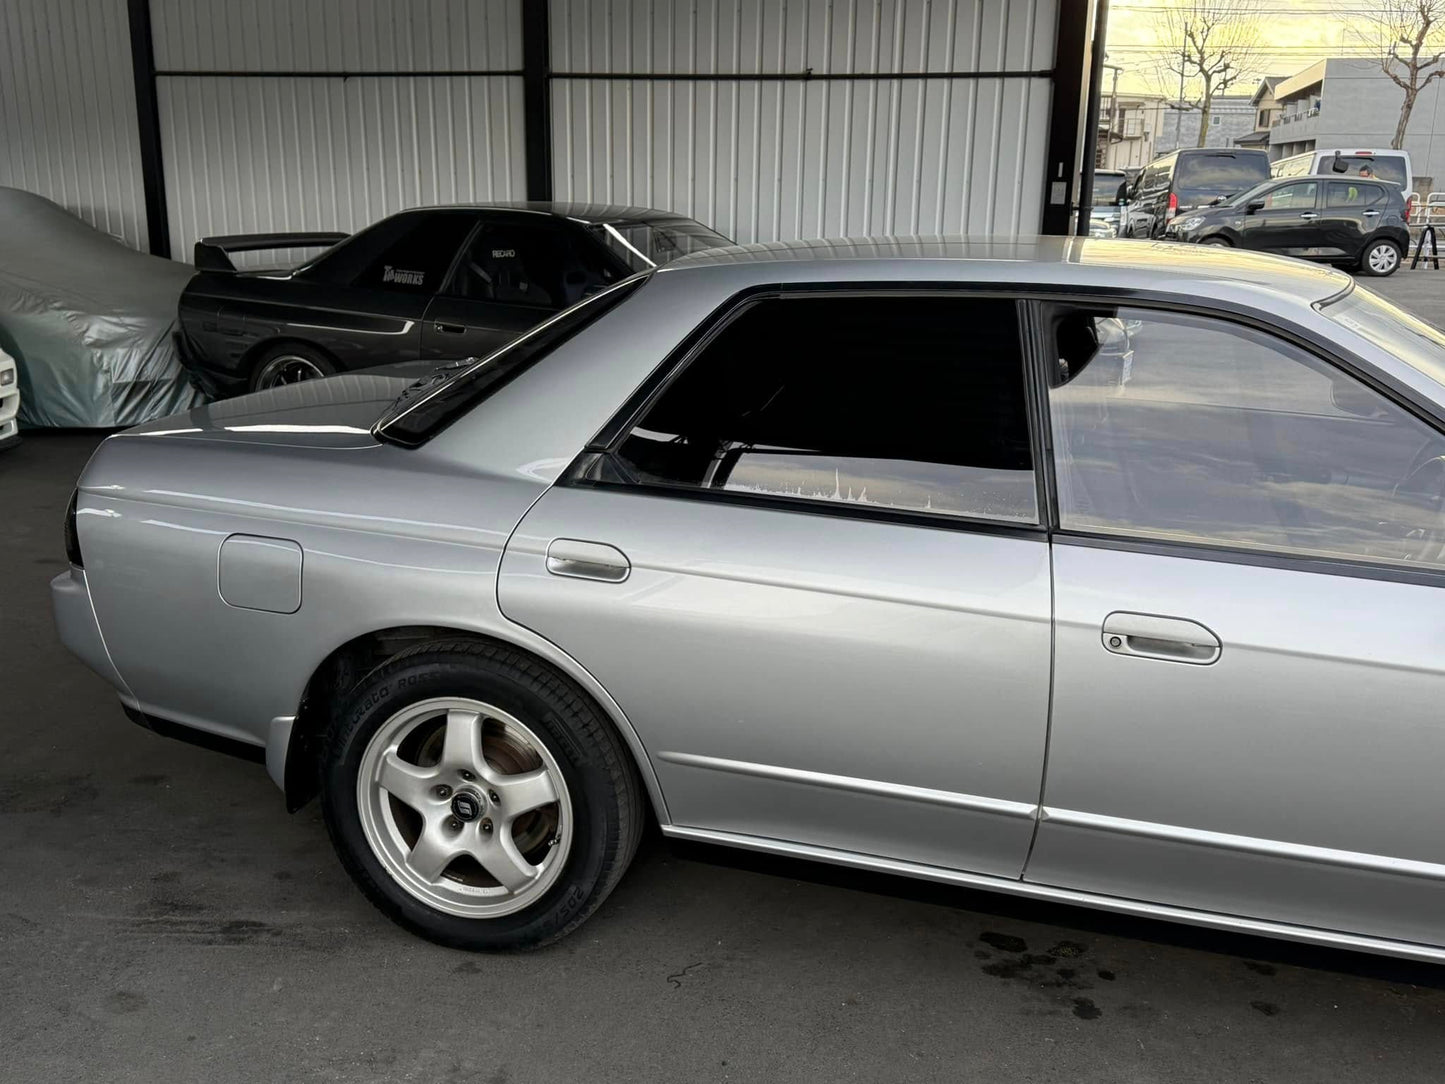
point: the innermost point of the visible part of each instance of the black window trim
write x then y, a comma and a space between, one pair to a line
1033, 299
1328, 353
609, 438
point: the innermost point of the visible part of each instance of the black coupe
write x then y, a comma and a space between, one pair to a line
429, 283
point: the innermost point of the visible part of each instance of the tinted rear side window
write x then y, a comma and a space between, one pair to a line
407, 252
1353, 194
890, 403
1219, 174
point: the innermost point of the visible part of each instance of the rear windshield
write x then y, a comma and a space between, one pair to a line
1386, 167
1219, 174
433, 403
645, 245
1109, 188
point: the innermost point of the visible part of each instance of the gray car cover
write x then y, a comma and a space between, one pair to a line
88, 319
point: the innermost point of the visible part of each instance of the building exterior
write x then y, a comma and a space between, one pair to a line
1266, 109
1140, 127
163, 121
1352, 104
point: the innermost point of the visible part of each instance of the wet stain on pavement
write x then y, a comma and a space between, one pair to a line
1004, 942
1266, 1007
1085, 1009
1260, 968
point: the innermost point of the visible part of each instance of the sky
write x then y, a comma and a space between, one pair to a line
1296, 33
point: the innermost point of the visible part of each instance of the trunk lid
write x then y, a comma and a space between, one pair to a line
337, 412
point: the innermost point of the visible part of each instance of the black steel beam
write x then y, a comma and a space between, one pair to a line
148, 120
1067, 115
1091, 125
537, 97
806, 76
431, 73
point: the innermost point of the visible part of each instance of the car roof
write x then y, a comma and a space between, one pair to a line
589, 213
1338, 178
1035, 262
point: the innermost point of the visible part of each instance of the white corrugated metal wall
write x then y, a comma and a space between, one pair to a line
67, 110
766, 158
329, 114
284, 117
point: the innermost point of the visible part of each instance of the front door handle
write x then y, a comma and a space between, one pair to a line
1150, 636
449, 329
587, 560
1309, 214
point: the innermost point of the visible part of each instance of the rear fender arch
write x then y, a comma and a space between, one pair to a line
295, 768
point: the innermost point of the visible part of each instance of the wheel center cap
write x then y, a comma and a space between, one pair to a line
466, 805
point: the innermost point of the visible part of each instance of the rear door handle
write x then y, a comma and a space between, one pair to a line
449, 329
1309, 214
1371, 214
1150, 636
587, 560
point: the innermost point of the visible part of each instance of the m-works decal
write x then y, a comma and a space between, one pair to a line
400, 277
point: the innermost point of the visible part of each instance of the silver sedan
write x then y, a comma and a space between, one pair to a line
1092, 571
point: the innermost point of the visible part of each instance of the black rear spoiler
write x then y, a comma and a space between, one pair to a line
213, 253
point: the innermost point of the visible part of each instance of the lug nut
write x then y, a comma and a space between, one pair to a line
454, 824
486, 824
468, 776
444, 791
494, 796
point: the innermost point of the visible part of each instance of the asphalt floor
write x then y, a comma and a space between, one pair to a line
163, 918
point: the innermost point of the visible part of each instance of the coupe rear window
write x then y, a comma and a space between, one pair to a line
1218, 174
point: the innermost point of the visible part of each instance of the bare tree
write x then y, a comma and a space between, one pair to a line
1408, 39
1209, 46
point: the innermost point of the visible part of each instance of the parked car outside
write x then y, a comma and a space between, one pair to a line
1183, 181
1110, 196
1353, 222
893, 554
1387, 165
430, 283
9, 401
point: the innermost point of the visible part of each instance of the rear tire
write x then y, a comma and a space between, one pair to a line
289, 363
1380, 259
552, 808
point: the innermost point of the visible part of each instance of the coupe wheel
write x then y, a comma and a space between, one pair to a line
1380, 258
478, 798
1218, 242
289, 364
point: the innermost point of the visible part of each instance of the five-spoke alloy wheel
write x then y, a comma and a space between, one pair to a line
478, 797
459, 834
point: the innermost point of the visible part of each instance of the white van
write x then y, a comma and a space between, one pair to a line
1387, 165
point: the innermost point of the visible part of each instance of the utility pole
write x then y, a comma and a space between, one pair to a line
1113, 112
1179, 112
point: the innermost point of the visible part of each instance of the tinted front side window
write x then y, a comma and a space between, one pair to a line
1205, 431
529, 263
892, 403
1292, 197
